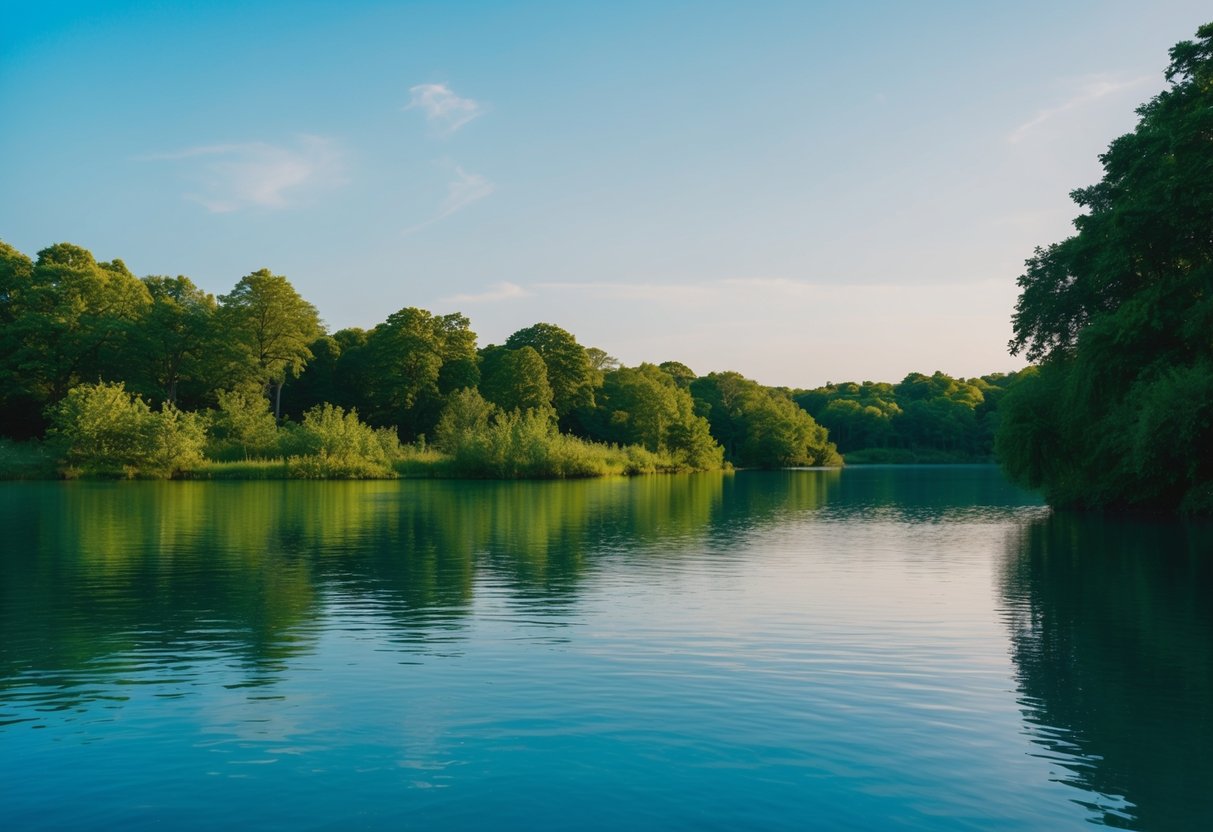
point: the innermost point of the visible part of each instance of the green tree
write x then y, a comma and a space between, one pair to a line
404, 356
1120, 316
761, 427
515, 379
568, 365
69, 319
20, 406
681, 373
171, 342
270, 327
645, 406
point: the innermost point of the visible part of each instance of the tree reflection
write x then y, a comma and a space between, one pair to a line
1112, 635
105, 582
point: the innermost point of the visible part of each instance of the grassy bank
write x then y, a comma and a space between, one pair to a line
26, 461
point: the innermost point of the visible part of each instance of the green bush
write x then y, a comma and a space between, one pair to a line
336, 444
242, 427
102, 430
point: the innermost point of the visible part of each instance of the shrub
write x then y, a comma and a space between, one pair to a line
100, 429
243, 427
334, 443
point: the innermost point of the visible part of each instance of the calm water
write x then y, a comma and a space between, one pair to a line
913, 648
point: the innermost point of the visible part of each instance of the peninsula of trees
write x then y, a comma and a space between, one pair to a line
122, 376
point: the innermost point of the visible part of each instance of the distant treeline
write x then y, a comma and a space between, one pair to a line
923, 418
152, 376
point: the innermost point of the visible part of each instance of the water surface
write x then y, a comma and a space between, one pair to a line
878, 648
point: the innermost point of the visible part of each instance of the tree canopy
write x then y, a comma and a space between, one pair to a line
269, 328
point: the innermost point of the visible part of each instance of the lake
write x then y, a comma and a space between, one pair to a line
876, 648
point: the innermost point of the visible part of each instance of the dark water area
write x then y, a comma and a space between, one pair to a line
876, 648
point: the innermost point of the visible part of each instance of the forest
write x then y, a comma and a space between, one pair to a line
1119, 318
106, 374
921, 419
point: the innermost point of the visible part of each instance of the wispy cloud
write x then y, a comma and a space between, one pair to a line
462, 191
498, 292
445, 111
1089, 90
658, 292
229, 177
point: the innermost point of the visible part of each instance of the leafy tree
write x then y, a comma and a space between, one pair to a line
933, 417
568, 365
460, 361
645, 406
515, 379
760, 427
681, 373
20, 408
170, 343
600, 361
68, 319
1120, 316
412, 361
270, 328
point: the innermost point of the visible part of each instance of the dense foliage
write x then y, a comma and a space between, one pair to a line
155, 377
921, 419
1120, 317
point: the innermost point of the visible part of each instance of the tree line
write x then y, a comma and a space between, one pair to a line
154, 376
935, 418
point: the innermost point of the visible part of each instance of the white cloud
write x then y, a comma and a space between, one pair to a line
461, 192
229, 177
465, 189
445, 111
658, 292
499, 291
1089, 90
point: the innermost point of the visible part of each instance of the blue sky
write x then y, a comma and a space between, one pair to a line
799, 191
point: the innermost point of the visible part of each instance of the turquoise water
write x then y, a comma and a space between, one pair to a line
878, 648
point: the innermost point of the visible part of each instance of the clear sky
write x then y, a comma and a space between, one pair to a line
801, 191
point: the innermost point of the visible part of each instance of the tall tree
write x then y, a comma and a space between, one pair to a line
1121, 317
761, 427
68, 319
19, 406
412, 362
645, 406
170, 342
270, 328
515, 379
568, 364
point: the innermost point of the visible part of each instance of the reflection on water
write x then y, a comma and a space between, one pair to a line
913, 648
1112, 635
98, 571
